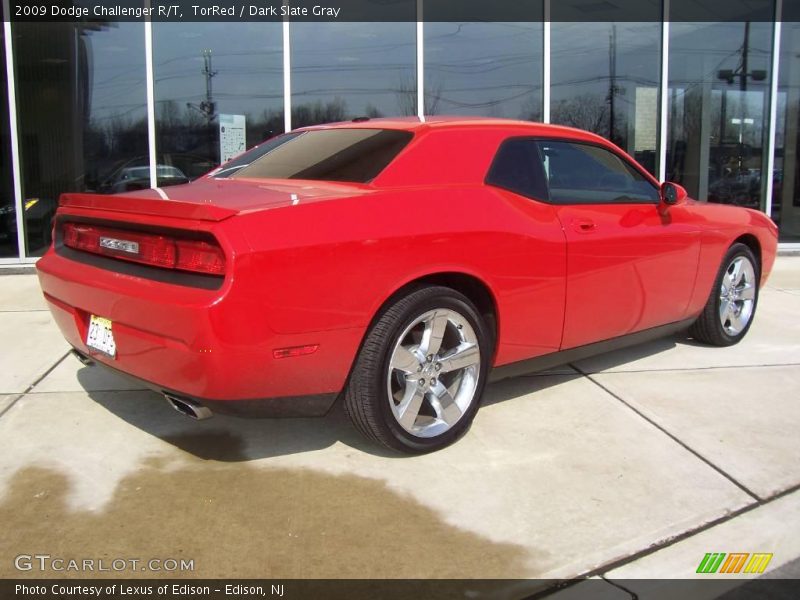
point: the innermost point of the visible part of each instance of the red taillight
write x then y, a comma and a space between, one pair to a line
152, 249
199, 256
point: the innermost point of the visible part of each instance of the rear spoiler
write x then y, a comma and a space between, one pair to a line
142, 203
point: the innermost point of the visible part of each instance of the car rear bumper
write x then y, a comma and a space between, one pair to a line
309, 405
214, 347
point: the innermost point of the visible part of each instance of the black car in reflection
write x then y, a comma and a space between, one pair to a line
739, 189
39, 213
138, 178
131, 175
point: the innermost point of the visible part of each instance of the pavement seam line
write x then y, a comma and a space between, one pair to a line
784, 290
35, 383
692, 369
620, 587
14, 399
566, 584
672, 436
604, 569
85, 391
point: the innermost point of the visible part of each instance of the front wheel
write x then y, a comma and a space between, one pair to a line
419, 376
731, 306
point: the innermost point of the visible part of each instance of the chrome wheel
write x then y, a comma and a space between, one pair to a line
433, 372
737, 295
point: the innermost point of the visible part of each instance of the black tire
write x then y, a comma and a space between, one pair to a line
366, 399
708, 328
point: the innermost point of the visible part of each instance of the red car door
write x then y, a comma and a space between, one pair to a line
630, 266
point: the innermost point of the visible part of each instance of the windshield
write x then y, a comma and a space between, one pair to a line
136, 173
350, 155
144, 172
166, 171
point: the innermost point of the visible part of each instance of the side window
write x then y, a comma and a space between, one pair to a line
585, 174
516, 167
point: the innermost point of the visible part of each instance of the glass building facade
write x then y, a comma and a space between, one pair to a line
118, 106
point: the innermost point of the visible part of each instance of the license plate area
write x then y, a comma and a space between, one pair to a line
100, 336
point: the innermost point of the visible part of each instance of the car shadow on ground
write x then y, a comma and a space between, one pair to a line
625, 356
232, 439
224, 438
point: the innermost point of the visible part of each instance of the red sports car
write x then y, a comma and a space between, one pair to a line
399, 265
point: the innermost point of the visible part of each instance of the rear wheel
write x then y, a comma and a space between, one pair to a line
419, 376
731, 306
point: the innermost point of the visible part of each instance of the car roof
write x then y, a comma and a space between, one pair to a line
439, 122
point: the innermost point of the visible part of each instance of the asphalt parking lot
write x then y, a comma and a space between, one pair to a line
629, 465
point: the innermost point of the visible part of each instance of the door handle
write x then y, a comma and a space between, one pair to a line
583, 225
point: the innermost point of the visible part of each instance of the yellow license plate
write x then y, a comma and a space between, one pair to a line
101, 336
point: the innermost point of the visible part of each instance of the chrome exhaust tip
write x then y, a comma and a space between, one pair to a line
190, 409
85, 360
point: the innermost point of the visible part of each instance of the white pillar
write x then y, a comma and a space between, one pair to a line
773, 108
287, 76
16, 172
664, 95
151, 99
420, 62
546, 64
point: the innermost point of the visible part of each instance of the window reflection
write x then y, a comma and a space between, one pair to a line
488, 69
218, 86
81, 111
786, 175
345, 70
605, 79
718, 93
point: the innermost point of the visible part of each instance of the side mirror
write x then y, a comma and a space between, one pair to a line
672, 193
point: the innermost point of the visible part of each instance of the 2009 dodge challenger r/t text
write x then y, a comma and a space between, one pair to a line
398, 265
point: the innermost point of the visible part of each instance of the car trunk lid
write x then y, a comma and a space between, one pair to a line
209, 199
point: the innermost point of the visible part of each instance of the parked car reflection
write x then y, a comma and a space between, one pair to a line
39, 213
741, 189
134, 174
138, 178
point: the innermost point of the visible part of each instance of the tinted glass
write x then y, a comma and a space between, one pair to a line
345, 70
218, 91
605, 79
586, 174
241, 161
81, 111
487, 69
355, 155
718, 91
517, 168
786, 174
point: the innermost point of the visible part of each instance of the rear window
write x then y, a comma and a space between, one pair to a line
350, 155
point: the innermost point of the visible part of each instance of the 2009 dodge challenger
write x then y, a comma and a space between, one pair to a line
399, 265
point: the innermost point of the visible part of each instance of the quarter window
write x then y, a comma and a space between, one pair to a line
585, 174
517, 168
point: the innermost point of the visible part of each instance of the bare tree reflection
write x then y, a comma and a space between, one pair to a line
586, 111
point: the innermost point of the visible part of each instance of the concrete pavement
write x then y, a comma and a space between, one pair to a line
633, 464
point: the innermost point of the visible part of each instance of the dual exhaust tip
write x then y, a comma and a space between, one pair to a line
188, 408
